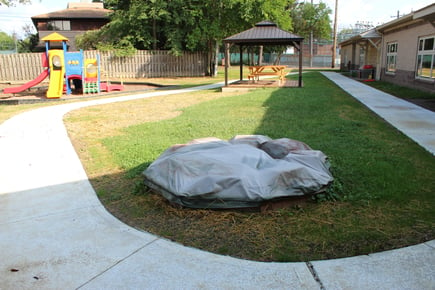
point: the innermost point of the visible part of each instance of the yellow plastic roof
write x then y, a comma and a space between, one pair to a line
55, 37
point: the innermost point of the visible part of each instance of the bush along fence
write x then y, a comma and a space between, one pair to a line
143, 64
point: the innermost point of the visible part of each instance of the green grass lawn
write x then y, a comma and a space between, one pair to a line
383, 189
401, 92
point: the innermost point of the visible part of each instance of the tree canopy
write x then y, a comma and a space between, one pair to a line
314, 18
29, 43
13, 2
183, 25
180, 25
192, 25
7, 42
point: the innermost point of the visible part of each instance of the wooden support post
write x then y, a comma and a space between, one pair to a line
241, 62
298, 45
227, 48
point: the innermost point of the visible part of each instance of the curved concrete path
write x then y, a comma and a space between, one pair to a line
55, 234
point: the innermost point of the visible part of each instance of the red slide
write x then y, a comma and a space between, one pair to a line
28, 85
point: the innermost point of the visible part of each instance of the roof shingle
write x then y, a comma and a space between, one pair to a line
72, 13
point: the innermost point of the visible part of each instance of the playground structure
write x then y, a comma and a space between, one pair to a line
67, 71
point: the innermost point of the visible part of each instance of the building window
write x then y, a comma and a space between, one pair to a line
391, 57
59, 25
426, 58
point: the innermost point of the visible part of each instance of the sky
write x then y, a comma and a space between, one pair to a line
375, 12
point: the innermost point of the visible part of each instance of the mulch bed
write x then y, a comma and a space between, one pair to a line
37, 94
428, 104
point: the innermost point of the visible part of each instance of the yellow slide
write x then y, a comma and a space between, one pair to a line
57, 73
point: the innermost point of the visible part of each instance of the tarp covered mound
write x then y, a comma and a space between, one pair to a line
245, 171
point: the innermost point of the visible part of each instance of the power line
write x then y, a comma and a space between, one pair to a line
12, 16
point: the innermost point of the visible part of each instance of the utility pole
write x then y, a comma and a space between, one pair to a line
334, 45
311, 43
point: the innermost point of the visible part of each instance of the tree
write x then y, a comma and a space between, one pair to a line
334, 41
313, 18
253, 11
186, 25
11, 42
29, 43
223, 18
139, 22
312, 21
7, 42
13, 2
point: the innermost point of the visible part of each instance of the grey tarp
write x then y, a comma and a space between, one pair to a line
212, 173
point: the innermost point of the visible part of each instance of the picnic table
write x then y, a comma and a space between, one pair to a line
266, 70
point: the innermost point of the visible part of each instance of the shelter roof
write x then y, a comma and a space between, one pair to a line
371, 34
264, 32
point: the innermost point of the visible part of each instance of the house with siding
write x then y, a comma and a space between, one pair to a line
75, 20
402, 51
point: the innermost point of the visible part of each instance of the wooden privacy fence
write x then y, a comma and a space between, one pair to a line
144, 64
20, 67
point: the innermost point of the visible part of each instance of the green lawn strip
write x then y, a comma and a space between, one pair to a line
400, 91
383, 178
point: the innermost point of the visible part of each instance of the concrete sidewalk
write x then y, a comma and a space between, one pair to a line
55, 234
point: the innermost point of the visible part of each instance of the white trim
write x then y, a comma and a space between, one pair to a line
421, 52
392, 48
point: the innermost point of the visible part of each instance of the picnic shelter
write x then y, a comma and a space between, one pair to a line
264, 33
